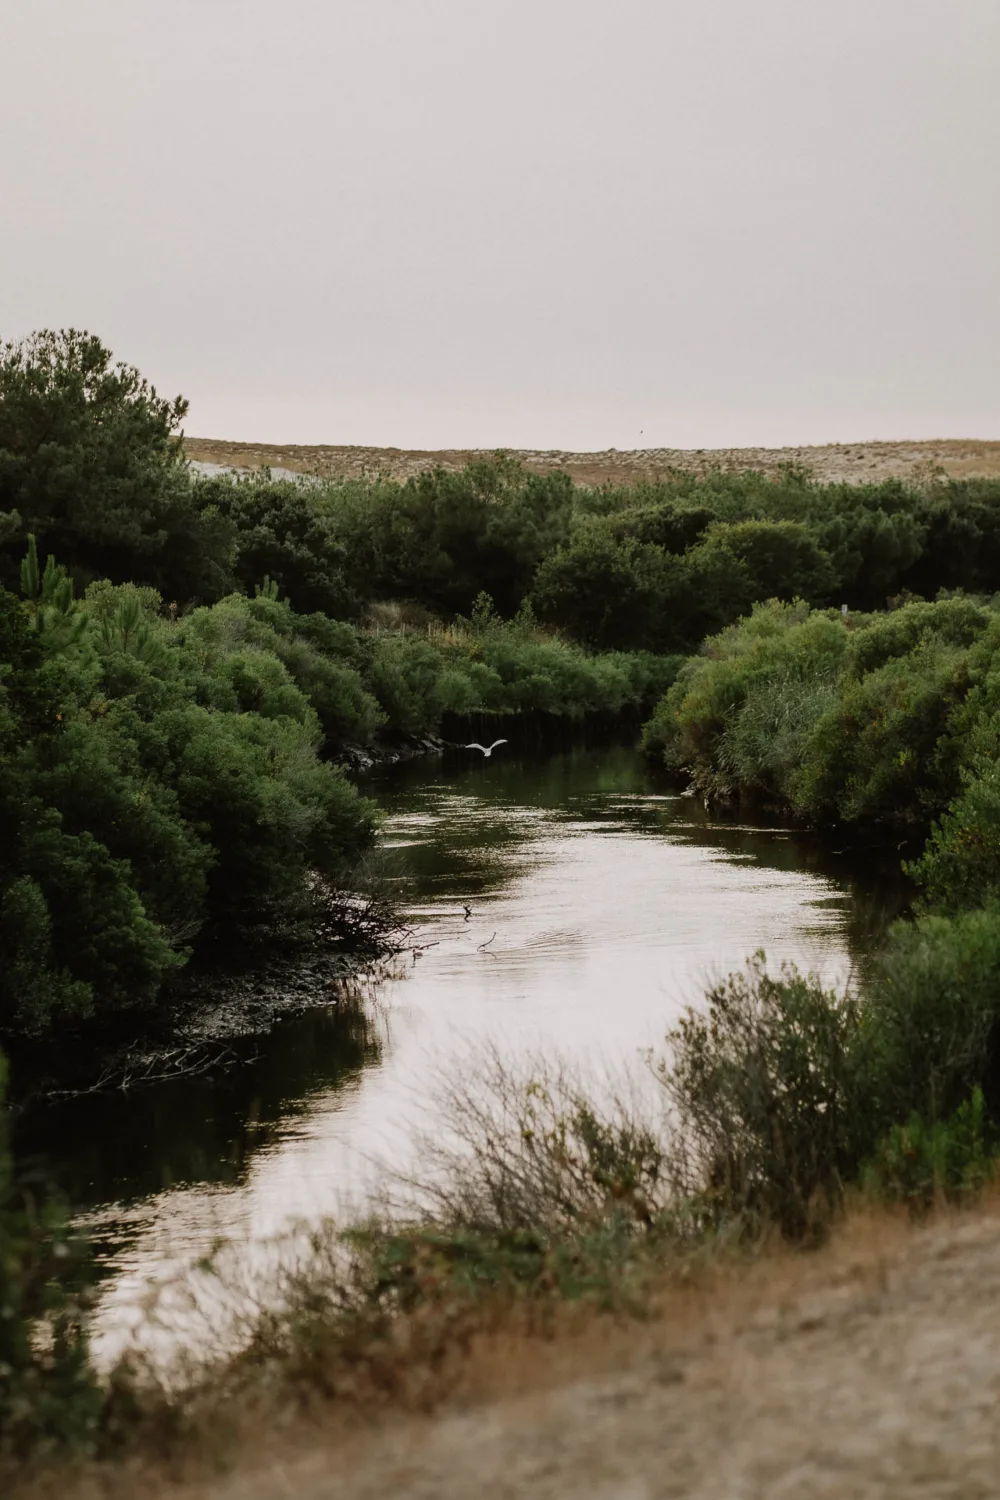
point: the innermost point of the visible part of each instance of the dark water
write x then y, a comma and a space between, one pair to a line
602, 902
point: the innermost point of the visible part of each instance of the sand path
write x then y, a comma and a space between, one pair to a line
867, 1371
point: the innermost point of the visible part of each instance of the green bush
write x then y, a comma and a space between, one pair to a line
934, 1008
737, 716
778, 560
866, 722
922, 1161
157, 774
281, 534
614, 594
882, 750
768, 1082
91, 463
960, 864
784, 1090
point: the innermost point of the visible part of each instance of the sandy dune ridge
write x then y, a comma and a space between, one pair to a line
834, 462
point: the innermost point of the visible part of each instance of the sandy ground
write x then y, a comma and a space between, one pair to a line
869, 1369
852, 462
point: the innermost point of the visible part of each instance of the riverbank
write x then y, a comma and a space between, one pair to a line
866, 1369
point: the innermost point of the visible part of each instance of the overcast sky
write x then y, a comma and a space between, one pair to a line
545, 223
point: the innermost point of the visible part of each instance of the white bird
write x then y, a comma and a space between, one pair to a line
483, 748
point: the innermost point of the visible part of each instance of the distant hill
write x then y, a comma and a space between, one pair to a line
854, 462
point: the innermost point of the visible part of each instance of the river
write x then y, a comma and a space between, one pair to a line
601, 902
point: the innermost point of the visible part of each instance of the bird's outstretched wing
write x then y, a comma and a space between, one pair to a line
496, 743
475, 747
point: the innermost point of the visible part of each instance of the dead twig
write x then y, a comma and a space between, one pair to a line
135, 1068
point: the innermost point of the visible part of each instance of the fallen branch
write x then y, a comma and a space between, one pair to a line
135, 1069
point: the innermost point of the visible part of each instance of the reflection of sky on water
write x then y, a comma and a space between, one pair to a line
601, 905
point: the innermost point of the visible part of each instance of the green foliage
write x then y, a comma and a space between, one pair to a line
767, 1084
609, 593
283, 535
882, 751
439, 539
934, 1004
777, 559
737, 716
614, 591
157, 775
960, 864
785, 1091
920, 1162
90, 462
604, 1261
163, 771
49, 1395
854, 721
52, 606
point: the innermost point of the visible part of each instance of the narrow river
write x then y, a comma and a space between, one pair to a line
602, 902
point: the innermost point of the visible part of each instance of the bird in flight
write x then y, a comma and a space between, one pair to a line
486, 752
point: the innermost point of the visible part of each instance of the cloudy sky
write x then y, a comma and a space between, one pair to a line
548, 223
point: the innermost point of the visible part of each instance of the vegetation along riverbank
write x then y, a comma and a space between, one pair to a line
188, 666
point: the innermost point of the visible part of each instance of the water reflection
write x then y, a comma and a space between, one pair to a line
601, 902
120, 1146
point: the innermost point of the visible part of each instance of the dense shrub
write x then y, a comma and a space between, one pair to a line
777, 560
157, 774
612, 594
921, 1161
960, 864
785, 1091
738, 715
935, 1003
881, 752
164, 770
863, 720
442, 538
91, 463
768, 1084
281, 534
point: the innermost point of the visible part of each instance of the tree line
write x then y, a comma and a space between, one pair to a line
92, 465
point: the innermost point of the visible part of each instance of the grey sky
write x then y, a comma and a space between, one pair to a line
521, 222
